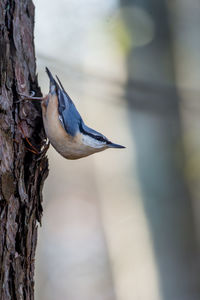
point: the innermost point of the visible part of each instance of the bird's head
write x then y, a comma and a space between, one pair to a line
95, 139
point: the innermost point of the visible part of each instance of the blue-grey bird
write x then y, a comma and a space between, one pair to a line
65, 128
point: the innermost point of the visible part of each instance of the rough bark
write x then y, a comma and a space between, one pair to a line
22, 172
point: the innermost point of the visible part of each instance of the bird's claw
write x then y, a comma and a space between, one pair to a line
28, 97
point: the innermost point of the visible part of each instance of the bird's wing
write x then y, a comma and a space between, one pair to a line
70, 117
68, 114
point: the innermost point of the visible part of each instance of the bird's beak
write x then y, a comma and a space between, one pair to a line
112, 145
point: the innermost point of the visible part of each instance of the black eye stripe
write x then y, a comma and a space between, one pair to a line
96, 137
100, 138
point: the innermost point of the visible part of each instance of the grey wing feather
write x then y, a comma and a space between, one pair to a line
68, 113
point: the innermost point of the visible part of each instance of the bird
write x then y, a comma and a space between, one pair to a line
64, 126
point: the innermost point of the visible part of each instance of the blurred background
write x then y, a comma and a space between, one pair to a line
123, 224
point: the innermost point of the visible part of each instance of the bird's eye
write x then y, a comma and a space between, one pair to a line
100, 138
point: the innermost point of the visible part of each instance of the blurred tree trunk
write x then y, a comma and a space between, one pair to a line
21, 172
154, 110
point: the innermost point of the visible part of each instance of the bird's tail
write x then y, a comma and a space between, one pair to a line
53, 84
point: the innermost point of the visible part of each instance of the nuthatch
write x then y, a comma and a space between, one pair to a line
64, 126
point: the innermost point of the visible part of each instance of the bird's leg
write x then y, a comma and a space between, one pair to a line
30, 97
33, 150
26, 97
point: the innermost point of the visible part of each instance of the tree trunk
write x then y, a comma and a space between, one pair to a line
22, 172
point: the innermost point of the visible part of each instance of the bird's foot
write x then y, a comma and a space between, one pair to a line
44, 151
31, 147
